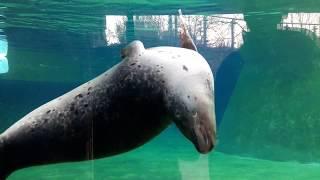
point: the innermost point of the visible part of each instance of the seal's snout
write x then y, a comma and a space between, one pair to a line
200, 129
203, 139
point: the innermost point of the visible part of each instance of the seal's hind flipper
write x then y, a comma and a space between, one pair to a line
3, 167
185, 38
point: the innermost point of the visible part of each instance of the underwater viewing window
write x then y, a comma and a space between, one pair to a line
4, 67
264, 58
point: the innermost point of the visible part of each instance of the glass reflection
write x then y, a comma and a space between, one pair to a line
4, 67
115, 29
309, 23
217, 30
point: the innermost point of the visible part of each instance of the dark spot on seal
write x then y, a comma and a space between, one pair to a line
178, 55
79, 96
157, 65
132, 64
48, 111
72, 107
188, 96
185, 68
85, 105
89, 89
158, 70
173, 57
139, 66
163, 81
161, 67
208, 84
139, 54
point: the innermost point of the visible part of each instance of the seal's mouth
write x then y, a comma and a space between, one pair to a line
203, 139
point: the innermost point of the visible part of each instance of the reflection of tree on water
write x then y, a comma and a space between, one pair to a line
307, 23
273, 111
280, 54
220, 30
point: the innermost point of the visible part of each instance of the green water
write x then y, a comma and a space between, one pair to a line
171, 157
266, 60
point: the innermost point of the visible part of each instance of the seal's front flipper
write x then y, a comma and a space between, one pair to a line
185, 38
133, 49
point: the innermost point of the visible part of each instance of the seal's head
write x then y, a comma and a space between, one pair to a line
190, 98
197, 123
193, 101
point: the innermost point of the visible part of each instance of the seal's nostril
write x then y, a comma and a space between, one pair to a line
212, 146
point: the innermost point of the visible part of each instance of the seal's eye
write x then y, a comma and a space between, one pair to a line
178, 115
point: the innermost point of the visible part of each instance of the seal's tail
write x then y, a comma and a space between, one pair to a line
184, 29
185, 38
3, 168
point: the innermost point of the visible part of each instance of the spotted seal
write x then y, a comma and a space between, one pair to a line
119, 110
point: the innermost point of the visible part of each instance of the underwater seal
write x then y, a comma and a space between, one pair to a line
118, 111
